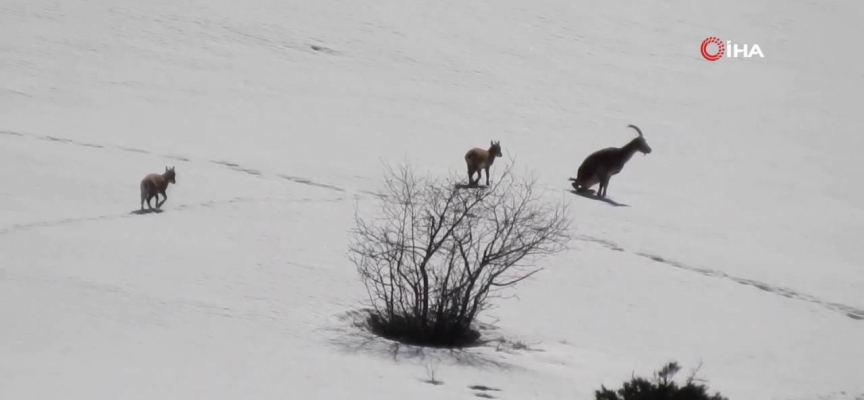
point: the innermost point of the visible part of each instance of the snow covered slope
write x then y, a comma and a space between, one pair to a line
740, 246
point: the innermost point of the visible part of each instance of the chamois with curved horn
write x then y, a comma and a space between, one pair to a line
600, 166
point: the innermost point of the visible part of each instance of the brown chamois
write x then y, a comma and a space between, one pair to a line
600, 166
479, 160
155, 184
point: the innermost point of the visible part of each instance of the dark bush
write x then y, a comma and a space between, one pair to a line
662, 387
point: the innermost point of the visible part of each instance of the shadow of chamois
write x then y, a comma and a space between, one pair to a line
469, 186
146, 211
591, 194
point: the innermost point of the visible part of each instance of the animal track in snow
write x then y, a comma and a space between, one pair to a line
851, 312
323, 49
481, 391
228, 164
132, 150
70, 221
236, 167
309, 182
848, 311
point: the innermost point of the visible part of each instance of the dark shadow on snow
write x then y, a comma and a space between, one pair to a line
354, 337
469, 186
146, 211
591, 194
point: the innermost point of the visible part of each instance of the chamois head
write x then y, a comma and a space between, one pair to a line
170, 175
495, 149
640, 143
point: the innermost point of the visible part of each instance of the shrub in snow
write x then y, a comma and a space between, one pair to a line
662, 387
437, 254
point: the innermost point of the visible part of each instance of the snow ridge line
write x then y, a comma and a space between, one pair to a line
849, 311
230, 165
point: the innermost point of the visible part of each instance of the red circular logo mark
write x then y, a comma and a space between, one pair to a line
721, 48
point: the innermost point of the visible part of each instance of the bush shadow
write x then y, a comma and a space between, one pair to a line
355, 337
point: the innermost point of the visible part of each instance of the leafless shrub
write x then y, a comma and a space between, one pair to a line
430, 373
437, 254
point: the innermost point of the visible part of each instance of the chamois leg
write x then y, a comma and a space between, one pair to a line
143, 192
149, 197
471, 180
487, 175
164, 199
604, 185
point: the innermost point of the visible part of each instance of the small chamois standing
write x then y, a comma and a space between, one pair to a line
600, 166
479, 160
155, 184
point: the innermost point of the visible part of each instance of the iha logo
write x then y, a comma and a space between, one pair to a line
736, 50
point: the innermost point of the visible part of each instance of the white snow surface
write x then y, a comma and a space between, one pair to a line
741, 247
